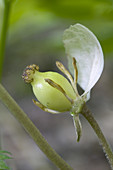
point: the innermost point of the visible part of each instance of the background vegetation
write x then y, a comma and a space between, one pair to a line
35, 36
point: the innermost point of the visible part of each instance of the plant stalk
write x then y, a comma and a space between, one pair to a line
3, 35
106, 148
28, 125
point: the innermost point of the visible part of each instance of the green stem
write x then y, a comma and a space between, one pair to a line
106, 148
3, 34
19, 114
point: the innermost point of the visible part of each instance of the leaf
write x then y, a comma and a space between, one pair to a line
3, 157
3, 165
1, 151
83, 45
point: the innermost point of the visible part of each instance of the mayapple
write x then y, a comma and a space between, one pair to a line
53, 91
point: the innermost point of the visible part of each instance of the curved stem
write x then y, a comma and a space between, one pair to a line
7, 5
106, 148
19, 114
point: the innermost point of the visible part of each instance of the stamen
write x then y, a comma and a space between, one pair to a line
41, 106
65, 71
75, 71
58, 87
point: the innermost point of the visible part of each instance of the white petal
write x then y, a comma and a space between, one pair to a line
82, 44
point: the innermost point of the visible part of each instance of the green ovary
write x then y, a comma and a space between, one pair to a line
49, 96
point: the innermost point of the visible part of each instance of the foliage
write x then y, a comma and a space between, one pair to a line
95, 14
3, 157
43, 14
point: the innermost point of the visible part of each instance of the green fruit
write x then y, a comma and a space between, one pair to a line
58, 98
49, 96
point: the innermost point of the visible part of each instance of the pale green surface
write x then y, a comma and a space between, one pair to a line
49, 96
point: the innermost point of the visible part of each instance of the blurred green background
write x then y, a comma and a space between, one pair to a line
35, 36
